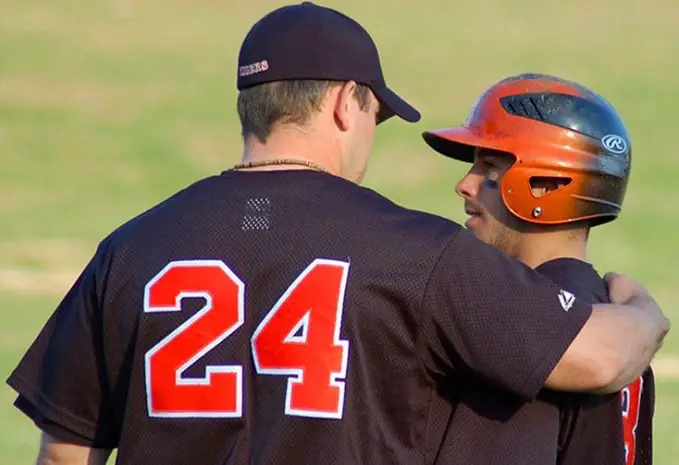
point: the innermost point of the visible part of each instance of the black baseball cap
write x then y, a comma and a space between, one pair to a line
308, 41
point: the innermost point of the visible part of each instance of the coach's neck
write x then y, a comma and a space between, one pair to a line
311, 143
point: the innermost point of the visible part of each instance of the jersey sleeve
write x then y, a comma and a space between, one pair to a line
61, 379
55, 430
491, 316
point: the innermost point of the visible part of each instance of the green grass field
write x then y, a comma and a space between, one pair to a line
107, 107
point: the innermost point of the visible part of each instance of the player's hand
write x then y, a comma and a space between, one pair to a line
621, 288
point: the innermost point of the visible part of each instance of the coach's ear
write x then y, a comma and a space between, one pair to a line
345, 105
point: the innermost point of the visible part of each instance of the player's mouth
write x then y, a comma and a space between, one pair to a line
474, 214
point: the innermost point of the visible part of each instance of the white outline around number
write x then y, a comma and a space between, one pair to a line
296, 376
209, 370
626, 418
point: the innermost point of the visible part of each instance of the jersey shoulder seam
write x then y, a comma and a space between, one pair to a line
435, 264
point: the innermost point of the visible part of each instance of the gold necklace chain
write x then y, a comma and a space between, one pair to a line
281, 161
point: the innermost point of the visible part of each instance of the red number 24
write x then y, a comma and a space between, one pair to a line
315, 361
631, 403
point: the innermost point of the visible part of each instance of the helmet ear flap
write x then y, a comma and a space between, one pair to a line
516, 192
595, 198
551, 207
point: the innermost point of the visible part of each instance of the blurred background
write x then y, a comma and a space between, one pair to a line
108, 107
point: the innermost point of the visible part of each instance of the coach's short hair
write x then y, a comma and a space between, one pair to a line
263, 107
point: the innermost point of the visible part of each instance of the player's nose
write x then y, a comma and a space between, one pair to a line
468, 186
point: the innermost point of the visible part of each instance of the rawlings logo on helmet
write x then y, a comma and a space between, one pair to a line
614, 144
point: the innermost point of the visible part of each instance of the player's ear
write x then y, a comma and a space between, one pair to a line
541, 186
345, 104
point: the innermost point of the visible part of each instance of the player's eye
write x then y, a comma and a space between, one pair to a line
488, 164
492, 169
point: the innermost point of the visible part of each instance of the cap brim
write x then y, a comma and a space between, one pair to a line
458, 143
393, 105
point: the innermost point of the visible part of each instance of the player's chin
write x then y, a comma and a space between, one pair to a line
480, 228
474, 223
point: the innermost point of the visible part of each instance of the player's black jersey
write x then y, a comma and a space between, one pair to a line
489, 427
287, 317
608, 429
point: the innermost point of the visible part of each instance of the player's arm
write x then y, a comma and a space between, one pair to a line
56, 452
497, 319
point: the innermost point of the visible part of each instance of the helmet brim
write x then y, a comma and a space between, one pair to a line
459, 143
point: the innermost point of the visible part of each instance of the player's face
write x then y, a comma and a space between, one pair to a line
488, 218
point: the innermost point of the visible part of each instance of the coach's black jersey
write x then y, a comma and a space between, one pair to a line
287, 317
489, 427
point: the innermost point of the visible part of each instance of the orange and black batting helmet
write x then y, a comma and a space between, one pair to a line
553, 128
